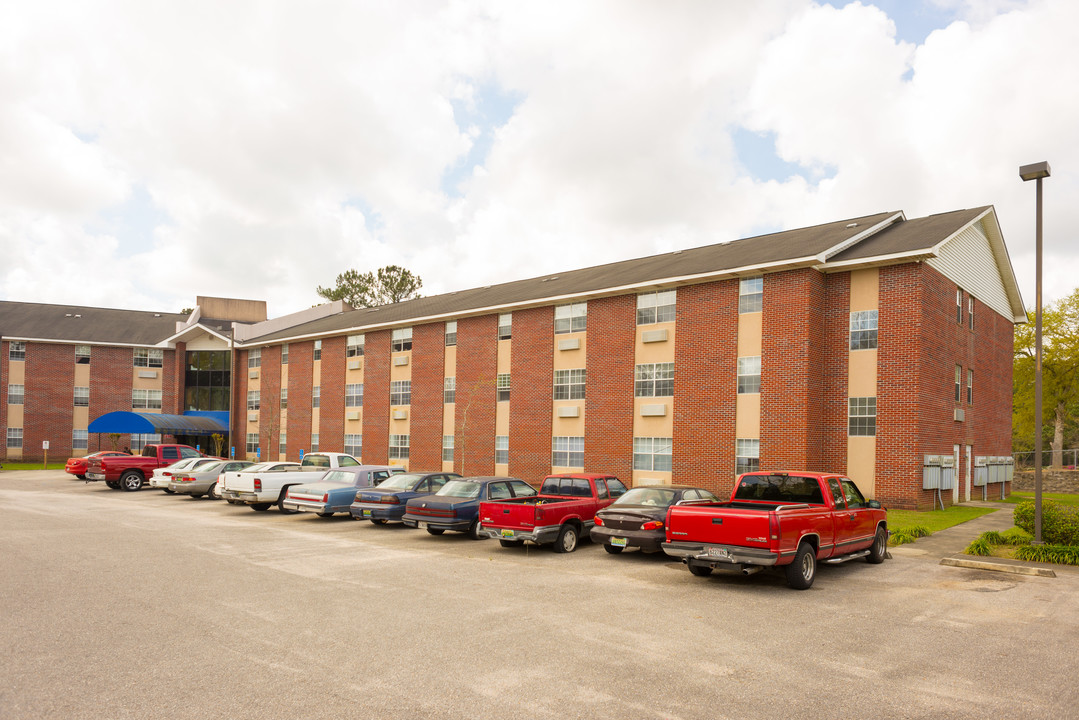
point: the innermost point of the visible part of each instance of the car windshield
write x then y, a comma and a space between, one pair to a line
181, 464
339, 476
316, 461
459, 488
653, 497
403, 481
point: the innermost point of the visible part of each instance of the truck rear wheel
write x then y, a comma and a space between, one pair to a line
113, 484
261, 507
473, 531
879, 549
567, 539
131, 480
281, 504
801, 572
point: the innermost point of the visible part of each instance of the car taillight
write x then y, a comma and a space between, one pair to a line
390, 500
599, 520
167, 474
258, 485
773, 526
651, 525
539, 513
326, 497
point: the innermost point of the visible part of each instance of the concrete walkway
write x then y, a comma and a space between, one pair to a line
948, 545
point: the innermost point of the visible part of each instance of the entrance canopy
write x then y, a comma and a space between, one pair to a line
137, 423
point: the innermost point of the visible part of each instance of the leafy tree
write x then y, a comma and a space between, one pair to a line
390, 284
1060, 377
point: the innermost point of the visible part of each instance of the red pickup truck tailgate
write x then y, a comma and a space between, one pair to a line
725, 526
508, 514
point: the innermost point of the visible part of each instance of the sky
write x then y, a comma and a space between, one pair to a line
154, 151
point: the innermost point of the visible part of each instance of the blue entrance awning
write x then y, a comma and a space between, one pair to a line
136, 423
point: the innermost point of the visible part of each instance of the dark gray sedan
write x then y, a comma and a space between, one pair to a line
636, 519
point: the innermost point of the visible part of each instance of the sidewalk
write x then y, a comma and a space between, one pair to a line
949, 544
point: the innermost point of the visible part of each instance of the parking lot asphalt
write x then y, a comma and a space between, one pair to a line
137, 605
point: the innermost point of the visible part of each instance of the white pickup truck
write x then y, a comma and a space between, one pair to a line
269, 485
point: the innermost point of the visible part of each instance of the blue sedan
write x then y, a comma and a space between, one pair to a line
387, 501
335, 490
457, 505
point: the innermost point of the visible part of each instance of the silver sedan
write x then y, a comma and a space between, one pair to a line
203, 479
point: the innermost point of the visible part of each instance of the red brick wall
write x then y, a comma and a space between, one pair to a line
110, 389
705, 385
428, 382
331, 418
531, 393
835, 373
48, 404
3, 394
300, 385
474, 422
241, 385
792, 354
270, 402
608, 445
376, 398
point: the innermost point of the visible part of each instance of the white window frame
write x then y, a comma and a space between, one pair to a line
569, 450
145, 399
451, 333
447, 448
354, 444
83, 396
16, 394
570, 318
316, 396
503, 387
401, 392
653, 380
861, 416
401, 340
449, 390
354, 345
502, 449
16, 352
354, 395
653, 454
656, 307
82, 354
80, 439
749, 375
398, 447
14, 437
148, 357
254, 399
863, 329
505, 326
570, 384
750, 295
251, 444
747, 455
254, 358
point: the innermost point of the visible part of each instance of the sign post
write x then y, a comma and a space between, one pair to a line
45, 447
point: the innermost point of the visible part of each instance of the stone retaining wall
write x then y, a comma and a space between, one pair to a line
1053, 481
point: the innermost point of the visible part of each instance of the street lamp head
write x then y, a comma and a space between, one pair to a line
1037, 171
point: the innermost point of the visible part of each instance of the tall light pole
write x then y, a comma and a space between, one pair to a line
1037, 171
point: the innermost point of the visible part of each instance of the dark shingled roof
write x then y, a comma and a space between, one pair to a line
758, 251
93, 325
910, 236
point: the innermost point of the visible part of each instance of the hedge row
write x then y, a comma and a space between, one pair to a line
1060, 523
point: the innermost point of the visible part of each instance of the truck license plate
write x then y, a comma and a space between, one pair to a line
618, 542
507, 533
718, 552
421, 525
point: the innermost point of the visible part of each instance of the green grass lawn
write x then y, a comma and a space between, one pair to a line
934, 520
33, 466
1061, 498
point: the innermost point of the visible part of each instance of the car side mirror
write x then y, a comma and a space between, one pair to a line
875, 504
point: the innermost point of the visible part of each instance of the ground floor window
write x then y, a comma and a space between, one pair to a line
502, 449
252, 442
567, 452
747, 455
282, 444
314, 442
447, 448
14, 437
398, 447
652, 454
80, 440
354, 444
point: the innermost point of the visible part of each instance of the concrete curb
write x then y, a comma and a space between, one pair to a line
1003, 567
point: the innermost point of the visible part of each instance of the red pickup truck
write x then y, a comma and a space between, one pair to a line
779, 519
129, 472
562, 513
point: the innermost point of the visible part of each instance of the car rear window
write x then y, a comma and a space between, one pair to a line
780, 488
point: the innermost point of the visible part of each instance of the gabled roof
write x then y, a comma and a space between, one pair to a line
84, 325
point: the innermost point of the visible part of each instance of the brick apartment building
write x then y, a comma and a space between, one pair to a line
864, 346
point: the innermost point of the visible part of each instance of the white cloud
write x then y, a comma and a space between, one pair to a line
284, 143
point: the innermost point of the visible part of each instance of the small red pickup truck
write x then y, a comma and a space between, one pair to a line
129, 472
779, 519
562, 513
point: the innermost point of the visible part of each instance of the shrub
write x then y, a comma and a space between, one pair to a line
1059, 554
1015, 536
981, 546
1060, 523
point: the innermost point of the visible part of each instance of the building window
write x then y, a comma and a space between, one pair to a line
314, 442
254, 358
17, 351
570, 318
970, 310
82, 354
14, 437
149, 357
654, 380
747, 454
282, 443
82, 396
655, 307
958, 383
749, 374
80, 439
502, 449
863, 330
316, 395
449, 390
401, 392
318, 350
652, 454
750, 295
401, 340
398, 447
862, 416
354, 346
354, 444
970, 386
354, 395
207, 380
252, 442
447, 448
451, 333
138, 442
567, 452
284, 398
502, 387
569, 384
505, 326
15, 394
284, 354
253, 399
959, 306
146, 399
